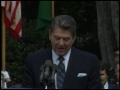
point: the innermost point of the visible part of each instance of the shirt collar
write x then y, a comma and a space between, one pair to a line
55, 56
106, 85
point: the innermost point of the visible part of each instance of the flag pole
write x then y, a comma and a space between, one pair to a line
3, 50
5, 75
52, 9
3, 43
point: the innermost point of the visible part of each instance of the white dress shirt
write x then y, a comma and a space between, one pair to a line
106, 85
56, 61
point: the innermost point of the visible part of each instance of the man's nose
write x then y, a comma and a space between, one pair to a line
61, 42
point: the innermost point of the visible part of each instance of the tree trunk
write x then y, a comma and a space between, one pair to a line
106, 33
115, 19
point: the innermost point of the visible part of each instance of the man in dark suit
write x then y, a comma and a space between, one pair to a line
81, 68
104, 74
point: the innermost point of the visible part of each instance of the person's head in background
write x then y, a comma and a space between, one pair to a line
104, 72
116, 55
117, 70
62, 33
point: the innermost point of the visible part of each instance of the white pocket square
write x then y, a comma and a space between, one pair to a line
81, 75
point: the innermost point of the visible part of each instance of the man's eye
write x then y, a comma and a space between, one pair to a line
66, 39
57, 38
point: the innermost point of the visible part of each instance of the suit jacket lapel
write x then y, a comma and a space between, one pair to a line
49, 54
71, 70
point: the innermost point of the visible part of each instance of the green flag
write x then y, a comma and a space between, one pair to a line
44, 17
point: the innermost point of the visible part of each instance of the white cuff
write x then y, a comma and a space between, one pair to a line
5, 74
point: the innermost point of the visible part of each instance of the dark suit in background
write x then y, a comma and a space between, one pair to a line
112, 86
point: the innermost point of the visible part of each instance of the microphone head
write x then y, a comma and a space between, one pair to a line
48, 63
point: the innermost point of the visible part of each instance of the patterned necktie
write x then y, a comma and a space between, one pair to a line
60, 73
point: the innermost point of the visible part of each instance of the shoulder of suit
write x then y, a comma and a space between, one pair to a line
83, 52
113, 86
39, 52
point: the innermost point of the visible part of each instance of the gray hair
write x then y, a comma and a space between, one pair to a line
65, 22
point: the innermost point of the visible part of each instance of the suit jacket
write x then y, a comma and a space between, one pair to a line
112, 86
79, 62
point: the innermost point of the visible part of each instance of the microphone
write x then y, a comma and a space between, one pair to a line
48, 65
54, 69
42, 73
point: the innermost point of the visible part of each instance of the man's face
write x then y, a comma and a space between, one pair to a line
103, 76
61, 41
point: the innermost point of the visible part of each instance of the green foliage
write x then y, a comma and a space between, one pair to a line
88, 42
16, 51
84, 13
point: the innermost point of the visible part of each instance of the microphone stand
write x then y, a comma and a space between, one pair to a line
46, 87
51, 78
47, 77
46, 83
54, 69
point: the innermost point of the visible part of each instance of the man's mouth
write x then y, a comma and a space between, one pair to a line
60, 49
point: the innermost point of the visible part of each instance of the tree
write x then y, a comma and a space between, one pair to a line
108, 29
115, 19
